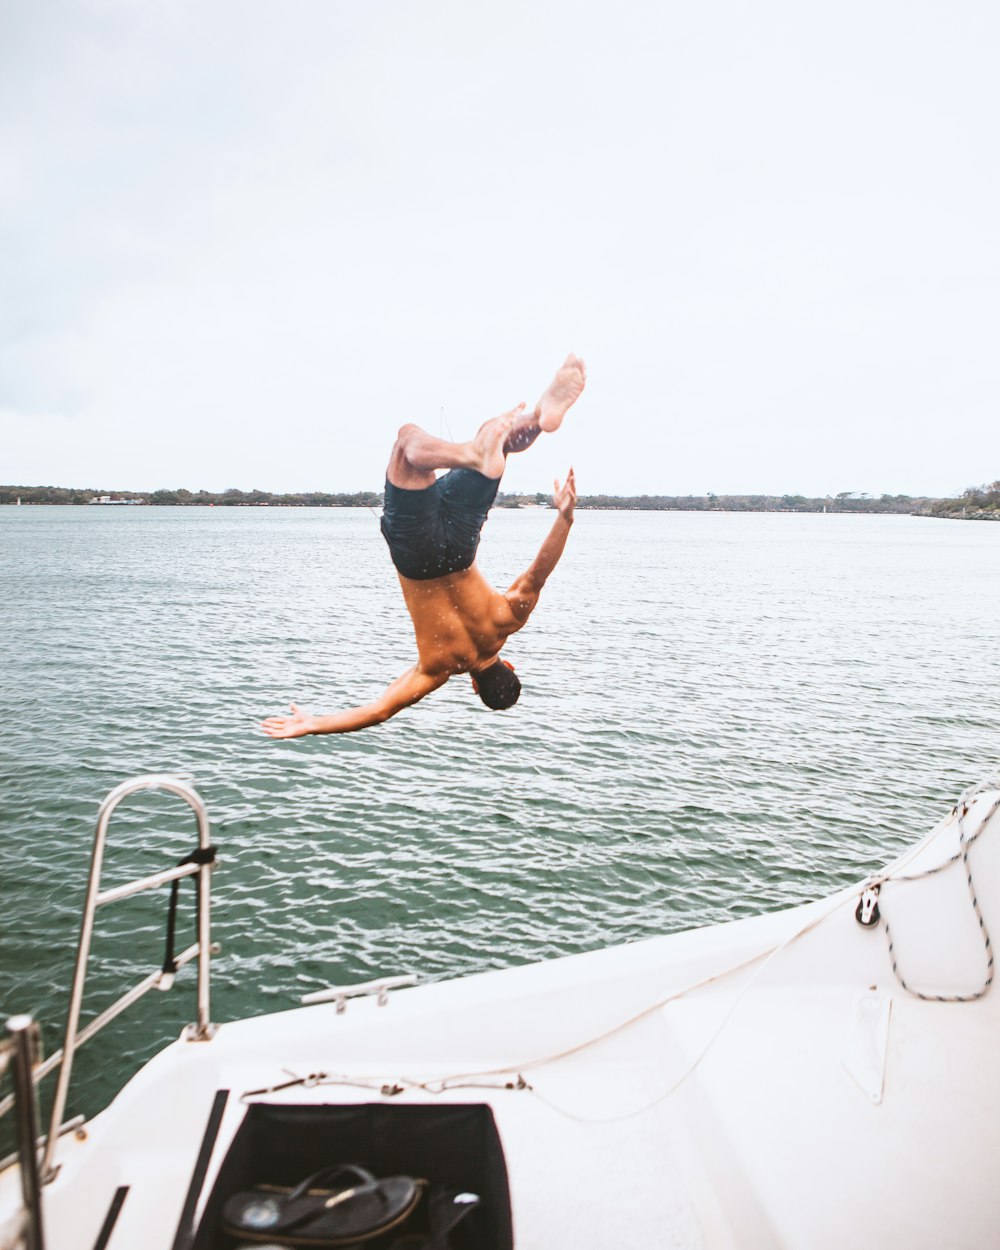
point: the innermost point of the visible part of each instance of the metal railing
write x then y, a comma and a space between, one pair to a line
381, 986
20, 1052
202, 1029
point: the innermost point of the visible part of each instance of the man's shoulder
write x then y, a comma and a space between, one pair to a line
520, 599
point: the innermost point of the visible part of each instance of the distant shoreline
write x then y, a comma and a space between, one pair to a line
975, 504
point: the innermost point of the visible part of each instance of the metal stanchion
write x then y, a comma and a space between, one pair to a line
24, 1037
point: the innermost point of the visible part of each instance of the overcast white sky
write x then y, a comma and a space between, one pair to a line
243, 241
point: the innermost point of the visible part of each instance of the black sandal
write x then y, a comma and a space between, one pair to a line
336, 1206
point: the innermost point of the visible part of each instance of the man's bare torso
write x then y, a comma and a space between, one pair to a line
460, 621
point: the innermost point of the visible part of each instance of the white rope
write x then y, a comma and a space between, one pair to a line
960, 809
962, 853
467, 1079
768, 955
694, 1064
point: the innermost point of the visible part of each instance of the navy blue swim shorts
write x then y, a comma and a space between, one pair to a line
435, 531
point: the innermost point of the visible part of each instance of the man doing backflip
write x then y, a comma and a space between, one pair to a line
432, 526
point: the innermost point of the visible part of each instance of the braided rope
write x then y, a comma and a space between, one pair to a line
962, 853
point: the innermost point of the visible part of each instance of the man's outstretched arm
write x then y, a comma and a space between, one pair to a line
523, 594
404, 691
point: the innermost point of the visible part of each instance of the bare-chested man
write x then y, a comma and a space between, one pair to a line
432, 526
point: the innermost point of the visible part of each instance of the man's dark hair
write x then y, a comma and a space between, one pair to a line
498, 686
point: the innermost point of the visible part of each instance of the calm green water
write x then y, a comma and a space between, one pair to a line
722, 714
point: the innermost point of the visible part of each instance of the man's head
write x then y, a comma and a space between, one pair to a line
498, 685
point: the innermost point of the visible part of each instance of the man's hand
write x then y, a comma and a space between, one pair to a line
409, 688
564, 497
295, 726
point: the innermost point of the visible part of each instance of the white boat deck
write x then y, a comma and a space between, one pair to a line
721, 1116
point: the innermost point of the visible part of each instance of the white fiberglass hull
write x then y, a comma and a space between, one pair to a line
763, 1083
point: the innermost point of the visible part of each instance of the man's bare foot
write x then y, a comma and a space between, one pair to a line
488, 447
523, 433
564, 390
551, 408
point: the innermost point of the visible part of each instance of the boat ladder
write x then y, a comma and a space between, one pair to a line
27, 1070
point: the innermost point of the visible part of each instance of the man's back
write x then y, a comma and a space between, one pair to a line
459, 620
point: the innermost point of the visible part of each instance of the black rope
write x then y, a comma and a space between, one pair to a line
198, 856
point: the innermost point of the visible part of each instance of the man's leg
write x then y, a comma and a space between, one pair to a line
416, 454
563, 391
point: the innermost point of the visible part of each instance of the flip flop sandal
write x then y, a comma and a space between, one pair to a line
336, 1206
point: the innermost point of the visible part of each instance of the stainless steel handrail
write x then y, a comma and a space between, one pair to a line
155, 979
202, 1030
21, 1051
381, 986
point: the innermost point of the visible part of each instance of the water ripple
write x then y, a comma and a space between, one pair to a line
722, 715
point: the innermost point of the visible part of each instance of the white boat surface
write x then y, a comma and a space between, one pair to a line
797, 1079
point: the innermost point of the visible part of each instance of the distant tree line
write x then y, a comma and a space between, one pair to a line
185, 498
46, 494
974, 504
977, 501
846, 501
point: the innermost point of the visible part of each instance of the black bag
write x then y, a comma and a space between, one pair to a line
345, 1205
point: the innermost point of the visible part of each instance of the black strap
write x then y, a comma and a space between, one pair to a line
108, 1227
184, 1237
200, 855
364, 1183
326, 1176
